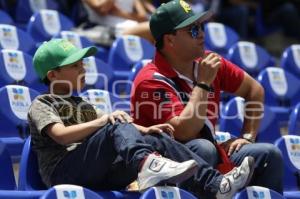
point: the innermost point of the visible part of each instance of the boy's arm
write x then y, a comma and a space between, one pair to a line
70, 134
66, 135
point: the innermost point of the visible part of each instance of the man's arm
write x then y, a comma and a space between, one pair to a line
253, 93
191, 120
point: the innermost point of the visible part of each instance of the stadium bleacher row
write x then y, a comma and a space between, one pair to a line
109, 77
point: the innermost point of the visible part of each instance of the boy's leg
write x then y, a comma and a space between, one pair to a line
90, 162
268, 164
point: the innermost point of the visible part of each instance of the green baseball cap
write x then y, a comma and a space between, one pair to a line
58, 53
172, 16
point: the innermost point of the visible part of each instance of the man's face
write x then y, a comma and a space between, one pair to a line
189, 41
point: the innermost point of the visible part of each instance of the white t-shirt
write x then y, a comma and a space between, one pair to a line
110, 20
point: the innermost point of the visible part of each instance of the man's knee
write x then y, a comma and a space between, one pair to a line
205, 149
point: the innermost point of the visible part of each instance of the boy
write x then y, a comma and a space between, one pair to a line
74, 145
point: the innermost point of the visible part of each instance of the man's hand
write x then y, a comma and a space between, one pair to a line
234, 145
208, 68
167, 128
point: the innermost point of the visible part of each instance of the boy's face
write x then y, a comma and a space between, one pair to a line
68, 78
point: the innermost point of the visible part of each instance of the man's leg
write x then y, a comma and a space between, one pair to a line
268, 164
207, 180
204, 149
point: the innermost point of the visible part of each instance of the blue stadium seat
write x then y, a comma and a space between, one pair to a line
124, 53
281, 87
7, 180
294, 122
26, 8
105, 101
15, 101
21, 194
231, 120
282, 91
16, 68
29, 177
134, 71
98, 74
45, 24
69, 191
166, 193
256, 192
219, 37
290, 59
290, 148
82, 42
14, 38
250, 57
5, 18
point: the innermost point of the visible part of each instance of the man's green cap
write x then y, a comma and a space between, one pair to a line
58, 53
172, 16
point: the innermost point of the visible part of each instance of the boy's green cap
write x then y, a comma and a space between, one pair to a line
174, 15
58, 53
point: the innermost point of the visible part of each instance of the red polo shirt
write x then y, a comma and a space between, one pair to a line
154, 101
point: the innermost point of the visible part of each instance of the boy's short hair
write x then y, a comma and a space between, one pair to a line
57, 53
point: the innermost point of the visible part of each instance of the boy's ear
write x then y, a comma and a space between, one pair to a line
51, 75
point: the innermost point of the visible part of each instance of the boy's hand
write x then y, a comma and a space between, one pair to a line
167, 128
120, 115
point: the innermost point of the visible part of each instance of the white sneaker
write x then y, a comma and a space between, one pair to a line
236, 179
157, 169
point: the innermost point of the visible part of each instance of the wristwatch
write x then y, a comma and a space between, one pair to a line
249, 137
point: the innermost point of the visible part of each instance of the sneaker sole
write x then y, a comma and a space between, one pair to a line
250, 162
175, 179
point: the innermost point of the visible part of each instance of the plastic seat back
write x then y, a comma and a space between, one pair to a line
5, 18
250, 57
26, 8
14, 38
290, 59
69, 191
255, 192
15, 102
281, 87
7, 180
166, 192
29, 177
45, 24
294, 122
232, 118
219, 37
290, 148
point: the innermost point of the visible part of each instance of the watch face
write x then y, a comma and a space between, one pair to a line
248, 136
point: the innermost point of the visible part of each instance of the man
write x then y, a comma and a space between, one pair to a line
182, 86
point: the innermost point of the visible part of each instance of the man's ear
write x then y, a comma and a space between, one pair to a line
51, 75
169, 40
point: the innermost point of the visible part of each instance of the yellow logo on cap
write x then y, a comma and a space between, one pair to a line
66, 45
187, 8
